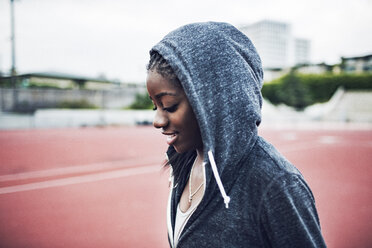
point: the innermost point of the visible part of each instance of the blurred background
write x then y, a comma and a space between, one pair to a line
79, 162
92, 55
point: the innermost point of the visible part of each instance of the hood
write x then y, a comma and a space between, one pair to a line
221, 74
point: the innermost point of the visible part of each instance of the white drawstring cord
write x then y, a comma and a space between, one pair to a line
226, 198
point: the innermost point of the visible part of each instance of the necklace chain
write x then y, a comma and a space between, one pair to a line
191, 195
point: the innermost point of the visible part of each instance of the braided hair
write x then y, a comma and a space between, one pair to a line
181, 163
160, 65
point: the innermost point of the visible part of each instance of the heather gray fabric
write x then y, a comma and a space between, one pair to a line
271, 204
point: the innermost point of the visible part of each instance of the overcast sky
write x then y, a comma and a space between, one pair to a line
113, 37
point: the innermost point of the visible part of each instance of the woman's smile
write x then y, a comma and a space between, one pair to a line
171, 138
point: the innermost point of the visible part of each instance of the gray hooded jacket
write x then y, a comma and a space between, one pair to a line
265, 201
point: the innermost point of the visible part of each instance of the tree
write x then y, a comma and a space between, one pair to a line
142, 101
294, 93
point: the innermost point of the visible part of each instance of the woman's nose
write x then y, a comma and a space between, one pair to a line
160, 120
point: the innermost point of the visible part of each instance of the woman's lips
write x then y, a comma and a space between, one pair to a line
171, 138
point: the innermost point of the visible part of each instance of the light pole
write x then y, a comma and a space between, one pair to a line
12, 38
13, 69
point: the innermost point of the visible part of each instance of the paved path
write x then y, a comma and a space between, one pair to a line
103, 187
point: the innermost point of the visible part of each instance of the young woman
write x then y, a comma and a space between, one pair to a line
230, 188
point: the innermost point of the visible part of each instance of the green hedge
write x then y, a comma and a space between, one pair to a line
302, 90
78, 104
34, 85
142, 101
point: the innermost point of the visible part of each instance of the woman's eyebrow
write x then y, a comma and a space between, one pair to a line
160, 95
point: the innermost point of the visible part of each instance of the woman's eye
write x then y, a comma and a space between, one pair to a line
153, 105
171, 109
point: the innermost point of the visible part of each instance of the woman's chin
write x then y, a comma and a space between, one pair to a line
180, 149
177, 149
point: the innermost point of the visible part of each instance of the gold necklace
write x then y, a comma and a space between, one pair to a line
191, 195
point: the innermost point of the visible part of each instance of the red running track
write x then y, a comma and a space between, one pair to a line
104, 187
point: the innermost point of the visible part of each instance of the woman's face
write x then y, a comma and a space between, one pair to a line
174, 114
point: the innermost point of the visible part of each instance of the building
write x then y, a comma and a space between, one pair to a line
357, 64
320, 68
302, 51
276, 45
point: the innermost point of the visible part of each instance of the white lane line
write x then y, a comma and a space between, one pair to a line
328, 139
320, 142
81, 179
298, 147
77, 169
289, 136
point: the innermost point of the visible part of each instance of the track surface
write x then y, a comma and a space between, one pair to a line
104, 187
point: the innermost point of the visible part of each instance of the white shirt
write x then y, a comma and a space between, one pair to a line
181, 220
183, 217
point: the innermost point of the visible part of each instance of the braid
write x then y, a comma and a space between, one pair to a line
180, 162
160, 65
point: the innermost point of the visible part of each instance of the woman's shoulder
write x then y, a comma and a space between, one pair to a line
265, 164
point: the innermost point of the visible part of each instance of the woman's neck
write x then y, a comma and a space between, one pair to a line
200, 155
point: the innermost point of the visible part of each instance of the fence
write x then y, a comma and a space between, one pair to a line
28, 100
